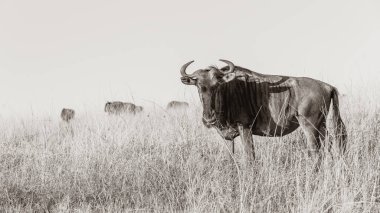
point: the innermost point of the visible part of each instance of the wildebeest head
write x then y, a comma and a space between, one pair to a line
207, 81
139, 109
108, 107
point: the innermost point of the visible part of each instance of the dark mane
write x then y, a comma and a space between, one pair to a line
234, 103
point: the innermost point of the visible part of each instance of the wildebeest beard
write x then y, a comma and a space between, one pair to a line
234, 102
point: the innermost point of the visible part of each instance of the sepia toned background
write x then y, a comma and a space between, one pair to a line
79, 54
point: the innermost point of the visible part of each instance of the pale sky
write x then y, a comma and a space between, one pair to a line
82, 53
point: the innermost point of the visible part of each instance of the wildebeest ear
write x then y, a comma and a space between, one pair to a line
188, 80
229, 77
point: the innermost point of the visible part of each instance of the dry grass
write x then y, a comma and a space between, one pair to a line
170, 162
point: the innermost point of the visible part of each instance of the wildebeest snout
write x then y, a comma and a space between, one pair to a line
209, 119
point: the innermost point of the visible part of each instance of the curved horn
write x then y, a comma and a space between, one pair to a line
183, 68
230, 64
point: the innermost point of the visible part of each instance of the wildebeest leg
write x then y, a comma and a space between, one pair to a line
231, 144
341, 135
247, 140
313, 137
322, 133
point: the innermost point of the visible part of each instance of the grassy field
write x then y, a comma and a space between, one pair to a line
169, 162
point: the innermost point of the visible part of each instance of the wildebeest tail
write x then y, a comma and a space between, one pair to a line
335, 102
339, 127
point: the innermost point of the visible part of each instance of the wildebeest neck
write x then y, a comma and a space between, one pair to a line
233, 103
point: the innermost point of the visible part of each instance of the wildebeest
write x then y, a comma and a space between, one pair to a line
177, 105
118, 107
237, 101
67, 114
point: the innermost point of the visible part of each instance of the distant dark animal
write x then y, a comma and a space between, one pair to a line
177, 105
139, 109
237, 101
67, 114
118, 107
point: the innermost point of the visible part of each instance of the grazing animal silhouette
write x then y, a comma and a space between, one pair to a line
177, 105
67, 114
118, 107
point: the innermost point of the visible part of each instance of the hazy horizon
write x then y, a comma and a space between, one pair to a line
81, 54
